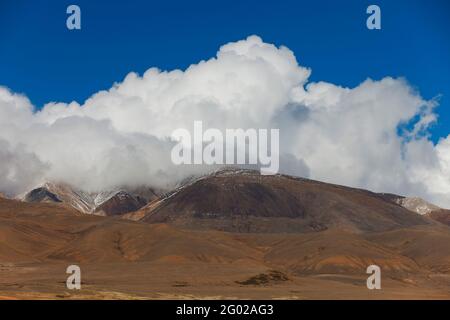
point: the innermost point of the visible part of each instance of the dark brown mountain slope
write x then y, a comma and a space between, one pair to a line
120, 203
245, 201
41, 195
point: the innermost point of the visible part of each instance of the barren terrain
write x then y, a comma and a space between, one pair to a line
227, 237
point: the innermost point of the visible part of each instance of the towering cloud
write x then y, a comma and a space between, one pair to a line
372, 136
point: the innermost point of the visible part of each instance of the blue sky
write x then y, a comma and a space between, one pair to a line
42, 59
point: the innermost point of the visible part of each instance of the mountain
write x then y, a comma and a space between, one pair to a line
114, 202
229, 234
417, 205
119, 203
441, 215
41, 195
52, 192
245, 201
422, 207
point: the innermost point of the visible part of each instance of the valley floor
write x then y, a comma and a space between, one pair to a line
143, 280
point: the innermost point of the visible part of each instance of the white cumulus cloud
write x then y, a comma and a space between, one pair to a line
372, 136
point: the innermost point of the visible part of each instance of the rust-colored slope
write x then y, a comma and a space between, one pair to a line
48, 232
37, 240
442, 215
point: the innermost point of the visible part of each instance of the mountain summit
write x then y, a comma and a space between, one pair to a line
112, 202
245, 201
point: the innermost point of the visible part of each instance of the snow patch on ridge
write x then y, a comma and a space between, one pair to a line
417, 205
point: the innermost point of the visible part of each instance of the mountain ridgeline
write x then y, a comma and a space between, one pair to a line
106, 203
236, 200
245, 201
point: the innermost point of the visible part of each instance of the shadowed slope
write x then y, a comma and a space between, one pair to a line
244, 201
